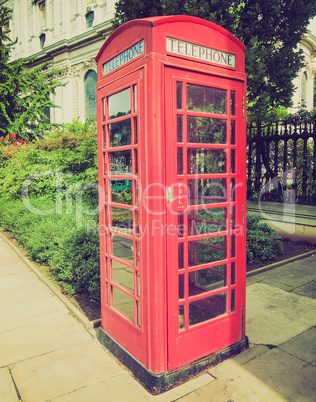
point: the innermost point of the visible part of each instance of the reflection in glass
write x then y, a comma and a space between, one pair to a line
123, 275
135, 131
122, 220
207, 279
121, 162
207, 308
233, 246
233, 218
123, 248
181, 317
204, 221
233, 161
181, 287
205, 161
136, 161
180, 256
120, 133
233, 189
207, 250
181, 227
179, 160
120, 103
233, 132
122, 191
179, 128
207, 130
233, 300
233, 273
233, 103
179, 95
135, 98
138, 313
207, 191
206, 99
123, 303
138, 283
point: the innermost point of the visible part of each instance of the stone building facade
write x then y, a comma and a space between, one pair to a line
69, 33
304, 83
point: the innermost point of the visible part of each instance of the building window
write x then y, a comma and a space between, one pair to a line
42, 39
89, 19
90, 83
304, 90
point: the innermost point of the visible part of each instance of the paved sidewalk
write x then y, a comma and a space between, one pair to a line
47, 355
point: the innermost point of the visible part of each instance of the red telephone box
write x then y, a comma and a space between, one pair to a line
171, 96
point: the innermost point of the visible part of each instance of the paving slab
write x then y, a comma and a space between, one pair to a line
303, 347
10, 282
8, 391
287, 375
112, 390
60, 372
308, 290
274, 316
23, 294
294, 274
13, 269
31, 313
33, 340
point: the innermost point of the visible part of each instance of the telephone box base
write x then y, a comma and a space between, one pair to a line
157, 383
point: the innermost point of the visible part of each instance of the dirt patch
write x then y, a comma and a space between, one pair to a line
290, 249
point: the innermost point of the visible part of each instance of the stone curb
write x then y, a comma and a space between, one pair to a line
279, 263
80, 317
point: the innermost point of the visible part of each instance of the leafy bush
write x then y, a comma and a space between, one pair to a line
263, 243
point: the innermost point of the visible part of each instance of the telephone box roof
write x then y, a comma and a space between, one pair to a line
157, 21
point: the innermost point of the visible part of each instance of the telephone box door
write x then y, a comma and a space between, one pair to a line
205, 157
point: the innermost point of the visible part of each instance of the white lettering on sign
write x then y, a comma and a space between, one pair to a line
124, 57
182, 48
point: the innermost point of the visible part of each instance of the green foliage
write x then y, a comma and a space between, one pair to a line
24, 92
263, 243
270, 29
48, 200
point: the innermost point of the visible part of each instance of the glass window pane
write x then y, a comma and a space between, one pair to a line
120, 133
233, 218
205, 280
205, 161
207, 308
233, 300
138, 313
233, 132
181, 317
207, 130
233, 273
123, 248
135, 98
206, 99
123, 275
179, 160
207, 191
204, 221
123, 303
122, 191
138, 283
179, 95
233, 161
179, 128
135, 131
180, 256
122, 220
207, 250
121, 162
233, 189
233, 103
181, 227
181, 286
120, 103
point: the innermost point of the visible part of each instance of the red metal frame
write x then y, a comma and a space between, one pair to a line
153, 336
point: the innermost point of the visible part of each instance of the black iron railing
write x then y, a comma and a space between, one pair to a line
281, 161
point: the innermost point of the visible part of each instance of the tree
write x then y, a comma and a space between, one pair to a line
270, 29
24, 92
